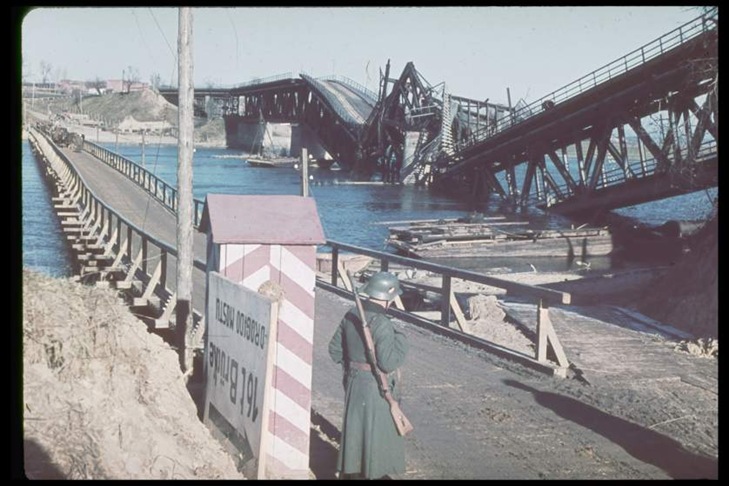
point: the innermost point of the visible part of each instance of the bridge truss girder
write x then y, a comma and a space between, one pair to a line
281, 103
412, 105
673, 119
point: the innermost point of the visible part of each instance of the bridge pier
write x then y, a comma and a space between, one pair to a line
244, 135
304, 137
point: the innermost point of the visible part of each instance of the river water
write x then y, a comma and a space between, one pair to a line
349, 213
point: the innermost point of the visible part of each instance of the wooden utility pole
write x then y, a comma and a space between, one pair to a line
304, 172
184, 188
511, 113
143, 161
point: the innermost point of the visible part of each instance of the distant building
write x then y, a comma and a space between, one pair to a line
114, 85
131, 124
69, 86
124, 86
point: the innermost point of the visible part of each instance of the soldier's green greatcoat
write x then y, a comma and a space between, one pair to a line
370, 443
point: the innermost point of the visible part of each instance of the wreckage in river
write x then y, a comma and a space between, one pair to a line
476, 237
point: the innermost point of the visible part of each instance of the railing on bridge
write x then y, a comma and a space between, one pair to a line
352, 84
268, 79
140, 250
449, 306
638, 57
618, 175
158, 188
343, 114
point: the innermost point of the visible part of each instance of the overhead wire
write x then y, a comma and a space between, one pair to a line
174, 54
149, 51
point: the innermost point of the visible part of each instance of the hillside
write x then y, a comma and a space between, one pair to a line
102, 397
143, 106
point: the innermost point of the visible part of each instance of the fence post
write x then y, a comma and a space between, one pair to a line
445, 303
335, 264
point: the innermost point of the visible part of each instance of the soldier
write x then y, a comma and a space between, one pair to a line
371, 447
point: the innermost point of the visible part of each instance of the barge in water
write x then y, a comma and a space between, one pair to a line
496, 238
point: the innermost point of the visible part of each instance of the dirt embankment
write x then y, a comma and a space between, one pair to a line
143, 106
103, 398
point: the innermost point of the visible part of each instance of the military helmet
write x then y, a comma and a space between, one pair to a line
382, 286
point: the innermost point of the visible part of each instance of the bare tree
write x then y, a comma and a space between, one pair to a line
98, 84
133, 75
45, 69
155, 80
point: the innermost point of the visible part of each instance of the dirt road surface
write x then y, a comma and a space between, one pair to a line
477, 417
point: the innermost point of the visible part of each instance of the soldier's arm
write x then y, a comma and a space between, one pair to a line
391, 346
336, 346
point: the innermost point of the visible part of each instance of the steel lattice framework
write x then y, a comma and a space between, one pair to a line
641, 128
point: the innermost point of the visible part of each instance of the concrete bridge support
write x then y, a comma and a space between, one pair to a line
244, 135
303, 137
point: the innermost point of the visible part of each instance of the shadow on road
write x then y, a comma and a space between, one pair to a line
322, 453
644, 444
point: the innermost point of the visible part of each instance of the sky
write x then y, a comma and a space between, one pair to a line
478, 52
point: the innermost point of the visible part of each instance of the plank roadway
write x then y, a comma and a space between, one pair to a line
138, 207
476, 416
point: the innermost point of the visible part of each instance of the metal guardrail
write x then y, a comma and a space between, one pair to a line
158, 188
343, 114
638, 57
268, 79
352, 84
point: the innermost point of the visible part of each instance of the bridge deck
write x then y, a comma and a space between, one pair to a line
476, 416
353, 104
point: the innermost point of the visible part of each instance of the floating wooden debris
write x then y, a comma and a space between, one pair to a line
474, 237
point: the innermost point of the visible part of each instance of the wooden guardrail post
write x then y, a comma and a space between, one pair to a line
127, 282
546, 336
460, 318
163, 321
146, 297
144, 255
120, 254
335, 264
384, 264
343, 275
445, 304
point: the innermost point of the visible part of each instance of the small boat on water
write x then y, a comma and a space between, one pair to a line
496, 237
230, 156
272, 162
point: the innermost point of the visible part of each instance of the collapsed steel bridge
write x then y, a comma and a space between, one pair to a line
642, 127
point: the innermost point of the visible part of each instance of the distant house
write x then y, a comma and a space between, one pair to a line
130, 124
114, 85
124, 86
69, 86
